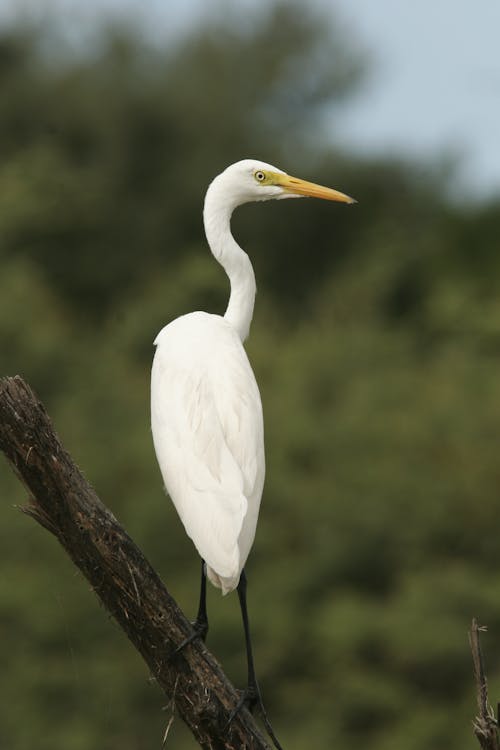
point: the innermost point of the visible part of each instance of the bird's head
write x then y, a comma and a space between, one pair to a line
251, 180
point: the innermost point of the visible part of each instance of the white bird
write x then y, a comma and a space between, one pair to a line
206, 412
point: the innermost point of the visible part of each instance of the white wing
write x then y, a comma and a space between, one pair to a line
206, 418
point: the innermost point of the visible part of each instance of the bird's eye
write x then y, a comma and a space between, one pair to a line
260, 176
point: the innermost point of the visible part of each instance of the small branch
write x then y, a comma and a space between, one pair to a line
65, 504
485, 725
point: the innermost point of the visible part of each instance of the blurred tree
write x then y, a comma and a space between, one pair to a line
105, 163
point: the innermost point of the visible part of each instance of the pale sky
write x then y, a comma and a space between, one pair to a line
434, 86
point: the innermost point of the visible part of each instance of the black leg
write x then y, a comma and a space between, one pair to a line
252, 691
200, 625
201, 622
251, 697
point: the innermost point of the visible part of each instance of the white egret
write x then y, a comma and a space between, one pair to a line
206, 411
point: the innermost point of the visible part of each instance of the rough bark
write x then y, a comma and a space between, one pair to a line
485, 725
63, 502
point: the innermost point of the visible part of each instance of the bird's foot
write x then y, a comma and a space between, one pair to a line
251, 698
200, 630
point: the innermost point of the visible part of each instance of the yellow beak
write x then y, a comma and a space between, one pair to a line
310, 189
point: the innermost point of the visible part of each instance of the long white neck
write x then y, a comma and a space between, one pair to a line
236, 263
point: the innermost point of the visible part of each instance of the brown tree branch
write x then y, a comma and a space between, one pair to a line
485, 725
65, 504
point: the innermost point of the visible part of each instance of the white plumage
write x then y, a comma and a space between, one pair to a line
208, 436
205, 405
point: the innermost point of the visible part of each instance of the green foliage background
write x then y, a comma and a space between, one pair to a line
376, 344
